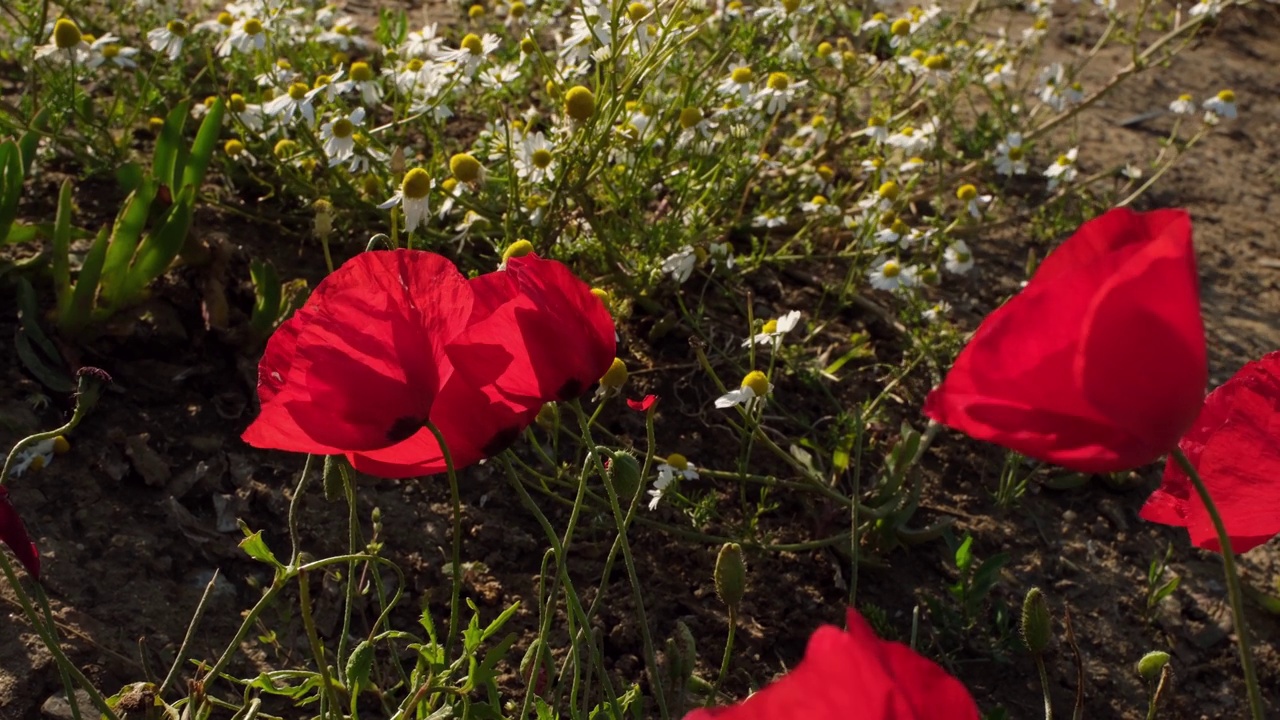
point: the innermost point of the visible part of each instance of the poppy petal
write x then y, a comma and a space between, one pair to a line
14, 534
1233, 447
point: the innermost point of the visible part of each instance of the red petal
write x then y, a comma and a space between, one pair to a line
361, 365
1099, 362
1233, 447
854, 674
644, 404
14, 534
560, 336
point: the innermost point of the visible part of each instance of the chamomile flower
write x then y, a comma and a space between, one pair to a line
1001, 75
738, 83
679, 265
589, 30
1209, 8
912, 165
168, 40
296, 100
721, 254
937, 311
896, 232
1063, 170
773, 330
911, 140
968, 194
755, 387
876, 129
818, 205
879, 22
957, 258
364, 81
281, 75
1184, 105
769, 219
66, 43
677, 466
338, 135
413, 195
330, 87
891, 274
247, 114
247, 35
1221, 105
900, 33
38, 456
499, 76
470, 54
1055, 89
108, 50
422, 43
777, 92
1010, 157
535, 159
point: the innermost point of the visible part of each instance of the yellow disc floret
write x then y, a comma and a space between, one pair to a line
416, 184
519, 248
616, 375
465, 167
966, 192
757, 382
66, 34
579, 103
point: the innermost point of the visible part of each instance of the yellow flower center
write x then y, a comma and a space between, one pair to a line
689, 117
528, 46
875, 121
966, 192
155, 124
252, 26
1015, 153
757, 381
541, 158
899, 228
678, 461
416, 184
937, 62
414, 65
742, 75
616, 375
60, 445
177, 27
734, 6
66, 34
908, 131
778, 81
298, 91
225, 19
1227, 96
342, 128
819, 200
1064, 160
889, 190
891, 269
465, 167
472, 44
110, 51
880, 17
322, 80
770, 326
233, 147
517, 10
901, 27
791, 5
1040, 24
825, 49
475, 11
826, 172
285, 148
519, 248
361, 72
579, 103
636, 11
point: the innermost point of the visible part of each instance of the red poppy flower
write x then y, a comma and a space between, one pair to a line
854, 674
560, 336
392, 340
1098, 365
643, 404
1235, 447
14, 534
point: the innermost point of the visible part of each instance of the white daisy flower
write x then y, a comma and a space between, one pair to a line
676, 467
968, 194
471, 52
107, 49
38, 456
247, 35
957, 258
1063, 170
738, 83
890, 274
680, 264
422, 43
1209, 8
296, 100
938, 311
168, 40
913, 141
1010, 157
1001, 75
777, 93
412, 196
1221, 105
773, 330
755, 387
1184, 105
338, 135
535, 159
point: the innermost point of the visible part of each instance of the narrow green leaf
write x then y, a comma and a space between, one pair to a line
11, 177
197, 162
80, 309
964, 555
256, 548
35, 351
125, 236
267, 296
164, 165
30, 140
22, 233
130, 176
60, 266
158, 250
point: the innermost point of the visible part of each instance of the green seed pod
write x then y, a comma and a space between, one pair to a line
682, 656
333, 483
731, 576
1152, 664
624, 473
359, 665
1037, 623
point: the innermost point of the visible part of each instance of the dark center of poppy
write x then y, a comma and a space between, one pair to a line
572, 388
501, 441
404, 428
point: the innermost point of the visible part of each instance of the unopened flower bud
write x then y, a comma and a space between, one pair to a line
624, 473
324, 218
1152, 664
1037, 623
731, 576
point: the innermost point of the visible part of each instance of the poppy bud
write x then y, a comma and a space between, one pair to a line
624, 473
681, 656
731, 576
1152, 664
1037, 623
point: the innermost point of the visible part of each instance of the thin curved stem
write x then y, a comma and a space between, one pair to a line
456, 593
1234, 592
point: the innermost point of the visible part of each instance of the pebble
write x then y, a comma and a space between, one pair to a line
57, 707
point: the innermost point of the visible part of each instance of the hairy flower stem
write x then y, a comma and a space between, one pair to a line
317, 650
1234, 592
724, 660
456, 554
1044, 687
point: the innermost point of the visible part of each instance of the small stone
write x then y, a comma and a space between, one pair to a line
147, 462
57, 707
1069, 516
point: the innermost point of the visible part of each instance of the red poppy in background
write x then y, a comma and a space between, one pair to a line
643, 404
561, 336
1235, 447
394, 339
1099, 364
854, 674
14, 534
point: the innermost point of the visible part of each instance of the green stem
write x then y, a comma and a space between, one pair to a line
724, 661
456, 594
313, 638
1044, 687
1234, 592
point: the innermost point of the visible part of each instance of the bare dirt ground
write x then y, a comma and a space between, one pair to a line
136, 519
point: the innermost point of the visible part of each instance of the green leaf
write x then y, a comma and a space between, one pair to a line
266, 306
964, 555
197, 163
359, 665
130, 176
30, 140
11, 178
256, 548
80, 309
499, 621
60, 264
165, 163
126, 234
157, 250
22, 233
34, 349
